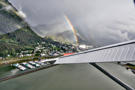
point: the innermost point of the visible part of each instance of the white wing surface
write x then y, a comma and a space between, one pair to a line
113, 53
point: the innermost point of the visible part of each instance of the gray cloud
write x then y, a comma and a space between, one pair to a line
100, 22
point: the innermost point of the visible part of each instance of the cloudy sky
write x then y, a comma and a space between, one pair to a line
100, 22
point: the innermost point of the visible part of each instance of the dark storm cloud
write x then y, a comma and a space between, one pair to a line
100, 22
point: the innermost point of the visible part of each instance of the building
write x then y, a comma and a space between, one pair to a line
42, 54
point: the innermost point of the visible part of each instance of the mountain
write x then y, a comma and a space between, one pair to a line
57, 31
23, 36
15, 33
10, 18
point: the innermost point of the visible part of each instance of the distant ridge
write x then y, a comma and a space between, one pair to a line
58, 32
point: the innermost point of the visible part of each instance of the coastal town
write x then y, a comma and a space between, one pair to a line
42, 50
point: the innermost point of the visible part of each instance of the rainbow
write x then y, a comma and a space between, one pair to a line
72, 28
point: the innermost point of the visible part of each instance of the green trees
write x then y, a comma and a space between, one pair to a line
4, 53
37, 53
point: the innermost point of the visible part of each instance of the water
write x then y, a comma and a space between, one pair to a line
7, 70
120, 72
63, 77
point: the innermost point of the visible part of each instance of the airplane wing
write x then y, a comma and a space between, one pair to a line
113, 53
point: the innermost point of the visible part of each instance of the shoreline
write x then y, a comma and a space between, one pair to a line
26, 72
